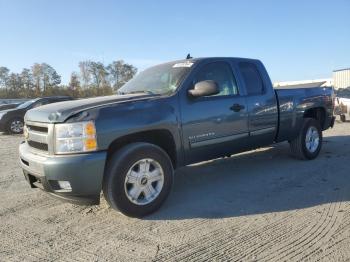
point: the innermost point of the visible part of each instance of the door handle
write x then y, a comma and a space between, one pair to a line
237, 107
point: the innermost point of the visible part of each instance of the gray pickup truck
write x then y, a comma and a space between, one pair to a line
170, 115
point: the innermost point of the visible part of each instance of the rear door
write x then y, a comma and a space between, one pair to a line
216, 125
261, 103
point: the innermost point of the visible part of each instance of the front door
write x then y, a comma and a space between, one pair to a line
214, 126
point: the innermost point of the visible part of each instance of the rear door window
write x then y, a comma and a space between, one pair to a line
252, 79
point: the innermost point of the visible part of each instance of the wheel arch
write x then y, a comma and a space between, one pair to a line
159, 137
318, 113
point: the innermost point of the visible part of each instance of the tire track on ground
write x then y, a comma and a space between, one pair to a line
293, 247
215, 238
320, 241
269, 241
300, 217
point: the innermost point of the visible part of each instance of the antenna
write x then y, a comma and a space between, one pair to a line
189, 56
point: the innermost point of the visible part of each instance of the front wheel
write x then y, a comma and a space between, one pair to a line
15, 126
308, 143
138, 179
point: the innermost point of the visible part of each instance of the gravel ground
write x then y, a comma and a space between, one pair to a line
257, 206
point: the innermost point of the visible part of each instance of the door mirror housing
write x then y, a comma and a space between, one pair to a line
204, 88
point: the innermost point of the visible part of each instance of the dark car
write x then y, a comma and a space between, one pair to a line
9, 106
168, 116
12, 120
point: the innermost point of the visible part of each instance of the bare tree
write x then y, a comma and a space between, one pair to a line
99, 74
37, 73
95, 79
74, 85
45, 78
4, 75
120, 73
50, 78
85, 73
27, 82
14, 85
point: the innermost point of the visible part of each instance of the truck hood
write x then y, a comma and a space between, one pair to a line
59, 112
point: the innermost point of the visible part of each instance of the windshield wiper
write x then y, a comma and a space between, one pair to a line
138, 92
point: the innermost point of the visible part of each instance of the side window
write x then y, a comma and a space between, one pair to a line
252, 78
221, 73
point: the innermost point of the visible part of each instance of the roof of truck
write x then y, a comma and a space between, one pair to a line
198, 59
218, 57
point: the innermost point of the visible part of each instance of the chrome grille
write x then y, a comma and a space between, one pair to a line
41, 129
37, 136
38, 145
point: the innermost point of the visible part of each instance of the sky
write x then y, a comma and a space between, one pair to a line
295, 39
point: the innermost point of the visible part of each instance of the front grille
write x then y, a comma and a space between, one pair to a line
42, 129
39, 146
37, 137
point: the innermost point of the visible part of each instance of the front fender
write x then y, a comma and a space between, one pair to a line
117, 121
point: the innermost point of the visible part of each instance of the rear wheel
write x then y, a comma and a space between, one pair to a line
308, 144
15, 126
138, 179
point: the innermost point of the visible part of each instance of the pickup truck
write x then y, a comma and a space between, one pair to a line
170, 115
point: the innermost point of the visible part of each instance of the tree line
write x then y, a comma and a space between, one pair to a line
41, 79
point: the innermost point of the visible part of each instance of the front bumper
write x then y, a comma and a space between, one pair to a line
84, 172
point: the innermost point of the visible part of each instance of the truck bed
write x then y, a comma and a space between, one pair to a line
294, 102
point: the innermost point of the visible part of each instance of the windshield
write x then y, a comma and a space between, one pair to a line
159, 80
26, 104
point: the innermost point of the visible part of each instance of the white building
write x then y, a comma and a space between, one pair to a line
341, 78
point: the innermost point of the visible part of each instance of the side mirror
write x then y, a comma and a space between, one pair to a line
204, 88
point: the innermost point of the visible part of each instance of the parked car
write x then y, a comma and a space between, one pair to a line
12, 120
342, 108
168, 116
9, 106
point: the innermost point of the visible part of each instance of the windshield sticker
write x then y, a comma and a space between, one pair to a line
184, 64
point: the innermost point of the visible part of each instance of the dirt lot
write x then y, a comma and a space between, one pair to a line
261, 205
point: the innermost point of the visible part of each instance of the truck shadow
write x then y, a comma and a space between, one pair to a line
262, 181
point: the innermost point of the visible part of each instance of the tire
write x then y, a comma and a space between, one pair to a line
343, 118
302, 149
128, 189
15, 126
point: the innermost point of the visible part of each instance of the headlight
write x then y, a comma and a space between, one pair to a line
75, 138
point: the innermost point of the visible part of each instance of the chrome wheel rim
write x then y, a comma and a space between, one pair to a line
144, 181
312, 139
16, 126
